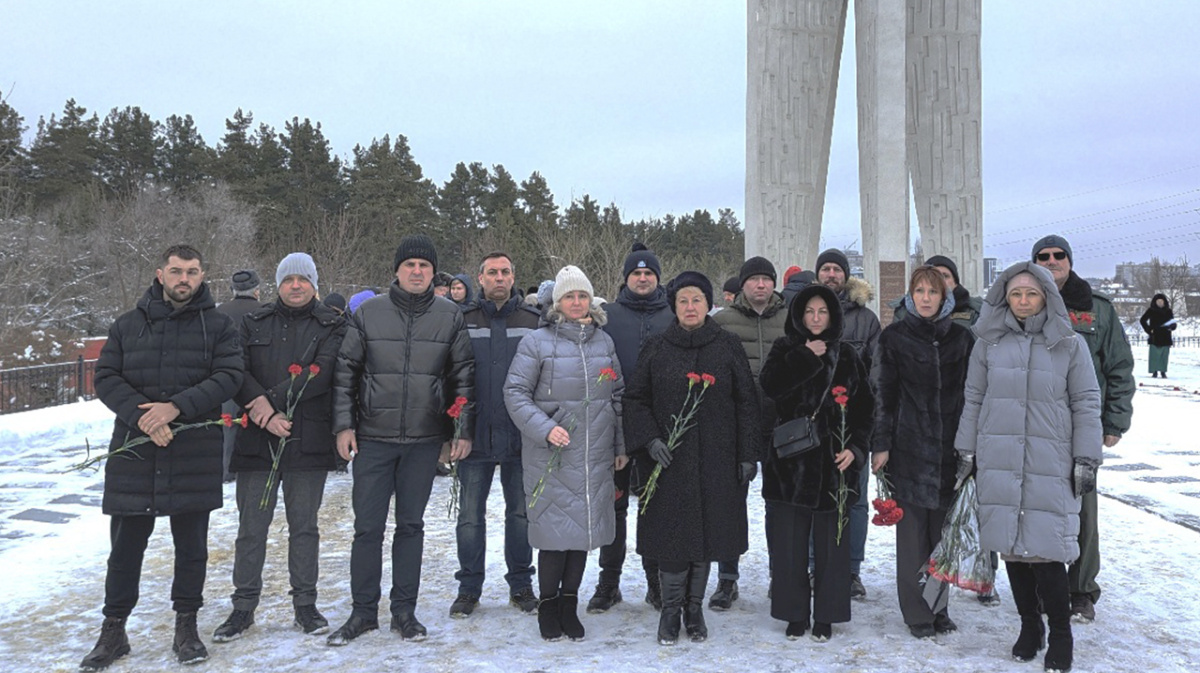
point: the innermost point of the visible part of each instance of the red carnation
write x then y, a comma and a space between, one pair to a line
294, 370
243, 421
314, 369
693, 378
708, 379
838, 390
460, 401
227, 420
842, 400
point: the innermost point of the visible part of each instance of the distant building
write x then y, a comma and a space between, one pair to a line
991, 270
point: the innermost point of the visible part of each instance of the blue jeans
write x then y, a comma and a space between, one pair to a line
475, 479
382, 469
858, 521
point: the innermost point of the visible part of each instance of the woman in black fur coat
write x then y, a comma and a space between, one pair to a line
1159, 322
920, 372
804, 371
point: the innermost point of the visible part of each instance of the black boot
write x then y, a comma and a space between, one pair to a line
674, 592
187, 646
112, 645
548, 620
653, 591
568, 616
693, 609
1025, 596
1053, 587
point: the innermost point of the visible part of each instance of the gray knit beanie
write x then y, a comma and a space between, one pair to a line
297, 264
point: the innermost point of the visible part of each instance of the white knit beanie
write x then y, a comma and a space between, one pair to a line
569, 279
297, 264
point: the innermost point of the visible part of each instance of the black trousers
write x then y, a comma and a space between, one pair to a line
788, 530
612, 556
130, 534
916, 535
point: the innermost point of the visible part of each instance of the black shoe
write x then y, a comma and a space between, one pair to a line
234, 626
408, 627
943, 624
353, 628
112, 645
822, 632
723, 598
1083, 610
1031, 641
463, 606
310, 620
524, 600
1060, 653
568, 616
990, 599
921, 630
606, 596
1154, 375
653, 592
548, 621
187, 646
857, 590
796, 630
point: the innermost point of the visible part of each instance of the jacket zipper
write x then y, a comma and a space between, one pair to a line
587, 439
407, 363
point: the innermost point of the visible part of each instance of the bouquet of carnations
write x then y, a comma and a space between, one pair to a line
959, 559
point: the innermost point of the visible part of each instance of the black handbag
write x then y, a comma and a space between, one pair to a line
796, 437
799, 435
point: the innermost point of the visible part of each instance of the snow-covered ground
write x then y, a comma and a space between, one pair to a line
53, 576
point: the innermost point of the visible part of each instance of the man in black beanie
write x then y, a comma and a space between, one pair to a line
413, 353
860, 329
640, 311
758, 316
1096, 322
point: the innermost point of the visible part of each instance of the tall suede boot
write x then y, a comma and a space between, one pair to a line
1052, 586
568, 616
674, 592
693, 613
1025, 595
548, 620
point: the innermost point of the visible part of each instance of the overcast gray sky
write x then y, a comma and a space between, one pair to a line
1089, 117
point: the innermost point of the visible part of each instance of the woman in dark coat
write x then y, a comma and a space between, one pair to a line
802, 370
920, 371
698, 511
1159, 322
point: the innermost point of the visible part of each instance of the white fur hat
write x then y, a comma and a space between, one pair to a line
569, 279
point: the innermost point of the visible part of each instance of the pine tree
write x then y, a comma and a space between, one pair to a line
13, 160
63, 159
184, 161
129, 141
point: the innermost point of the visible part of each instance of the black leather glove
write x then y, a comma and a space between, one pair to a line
659, 452
966, 468
1083, 478
747, 472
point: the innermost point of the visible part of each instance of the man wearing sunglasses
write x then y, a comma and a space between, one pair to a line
1093, 317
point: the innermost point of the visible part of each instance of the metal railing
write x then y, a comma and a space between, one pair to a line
26, 388
1182, 342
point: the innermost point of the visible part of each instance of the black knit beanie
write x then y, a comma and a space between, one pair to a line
416, 246
837, 257
732, 286
942, 260
756, 266
641, 258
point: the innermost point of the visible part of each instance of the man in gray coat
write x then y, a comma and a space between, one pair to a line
860, 329
405, 359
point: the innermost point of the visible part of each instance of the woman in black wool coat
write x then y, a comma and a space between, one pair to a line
920, 372
698, 512
1159, 321
802, 370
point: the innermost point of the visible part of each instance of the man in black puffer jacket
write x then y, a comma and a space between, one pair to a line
405, 359
295, 331
172, 360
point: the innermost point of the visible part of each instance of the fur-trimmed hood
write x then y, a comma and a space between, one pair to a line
858, 291
555, 316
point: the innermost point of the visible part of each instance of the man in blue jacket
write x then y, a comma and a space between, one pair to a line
640, 311
496, 324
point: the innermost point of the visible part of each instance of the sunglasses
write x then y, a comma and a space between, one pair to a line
1045, 256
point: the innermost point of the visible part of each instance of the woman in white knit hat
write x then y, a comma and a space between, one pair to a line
563, 392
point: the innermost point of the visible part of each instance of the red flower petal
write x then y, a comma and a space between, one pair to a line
314, 369
838, 390
295, 369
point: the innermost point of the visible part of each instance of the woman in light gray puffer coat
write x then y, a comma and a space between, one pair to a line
1031, 428
558, 395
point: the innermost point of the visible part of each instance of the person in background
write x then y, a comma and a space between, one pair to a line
1031, 432
920, 370
336, 302
441, 284
358, 298
568, 409
1092, 317
460, 291
245, 300
1159, 321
